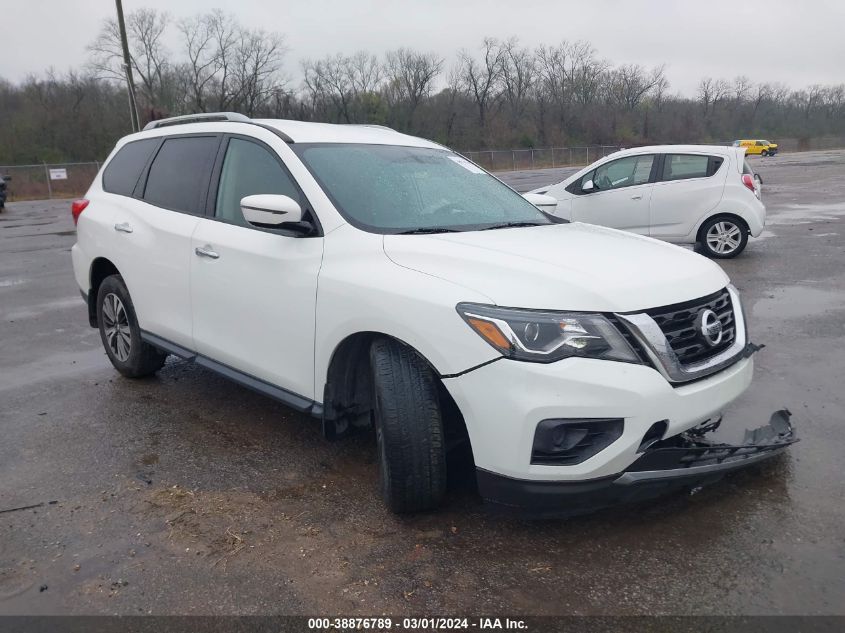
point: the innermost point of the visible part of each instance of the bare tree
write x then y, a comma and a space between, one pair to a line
518, 76
482, 80
629, 84
258, 58
410, 76
202, 61
365, 72
149, 57
585, 72
329, 79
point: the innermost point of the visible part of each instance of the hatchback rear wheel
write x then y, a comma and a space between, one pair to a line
723, 237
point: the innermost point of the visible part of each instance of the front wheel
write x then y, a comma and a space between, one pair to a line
723, 237
409, 428
120, 332
764, 153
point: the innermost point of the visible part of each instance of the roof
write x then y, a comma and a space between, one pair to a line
291, 131
679, 149
306, 132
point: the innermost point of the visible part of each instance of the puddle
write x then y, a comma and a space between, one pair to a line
41, 308
149, 459
805, 213
797, 302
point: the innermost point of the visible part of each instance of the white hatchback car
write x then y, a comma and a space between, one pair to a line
686, 194
377, 280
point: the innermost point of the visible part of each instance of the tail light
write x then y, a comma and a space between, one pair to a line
747, 180
77, 208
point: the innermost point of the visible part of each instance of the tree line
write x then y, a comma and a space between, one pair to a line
502, 94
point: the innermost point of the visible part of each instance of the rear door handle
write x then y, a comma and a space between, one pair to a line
206, 251
637, 197
123, 227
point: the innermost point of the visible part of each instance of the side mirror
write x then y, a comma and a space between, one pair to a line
542, 202
588, 186
270, 210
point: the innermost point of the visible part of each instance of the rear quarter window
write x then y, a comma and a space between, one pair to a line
123, 171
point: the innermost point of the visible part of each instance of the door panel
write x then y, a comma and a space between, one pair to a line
254, 292
154, 260
621, 196
678, 205
254, 306
154, 233
625, 208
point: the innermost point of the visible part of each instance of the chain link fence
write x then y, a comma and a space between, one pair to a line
71, 180
551, 157
46, 181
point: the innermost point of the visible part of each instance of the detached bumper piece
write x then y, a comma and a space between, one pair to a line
686, 461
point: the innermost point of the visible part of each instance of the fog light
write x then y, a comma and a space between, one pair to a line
565, 442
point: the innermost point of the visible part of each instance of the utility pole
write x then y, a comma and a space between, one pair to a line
127, 67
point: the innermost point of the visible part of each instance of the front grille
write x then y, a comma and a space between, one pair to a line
678, 325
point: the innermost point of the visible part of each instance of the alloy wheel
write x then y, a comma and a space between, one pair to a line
724, 237
116, 327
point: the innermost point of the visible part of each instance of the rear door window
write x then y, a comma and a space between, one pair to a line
178, 177
684, 166
123, 171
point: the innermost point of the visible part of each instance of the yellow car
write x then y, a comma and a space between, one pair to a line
758, 146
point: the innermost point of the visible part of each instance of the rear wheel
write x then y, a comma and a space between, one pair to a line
120, 332
723, 237
409, 428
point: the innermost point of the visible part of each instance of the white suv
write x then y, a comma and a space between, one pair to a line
686, 194
378, 280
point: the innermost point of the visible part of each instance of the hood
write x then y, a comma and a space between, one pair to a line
561, 267
560, 187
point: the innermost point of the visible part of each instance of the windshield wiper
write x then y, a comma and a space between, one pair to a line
511, 225
427, 230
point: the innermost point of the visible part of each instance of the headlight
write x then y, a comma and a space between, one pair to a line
545, 337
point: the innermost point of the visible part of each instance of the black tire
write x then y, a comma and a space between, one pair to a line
141, 359
764, 153
409, 428
712, 251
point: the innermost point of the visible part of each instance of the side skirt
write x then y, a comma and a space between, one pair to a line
293, 400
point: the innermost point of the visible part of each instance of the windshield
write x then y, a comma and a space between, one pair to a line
395, 189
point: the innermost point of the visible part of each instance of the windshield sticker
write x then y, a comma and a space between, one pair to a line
466, 164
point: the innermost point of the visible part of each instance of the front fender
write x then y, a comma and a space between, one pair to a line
361, 290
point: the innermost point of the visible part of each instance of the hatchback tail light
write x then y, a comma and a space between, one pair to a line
748, 181
77, 208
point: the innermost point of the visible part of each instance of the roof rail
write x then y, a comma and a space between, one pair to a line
203, 117
375, 125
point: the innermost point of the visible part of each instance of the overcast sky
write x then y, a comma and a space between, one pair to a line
798, 43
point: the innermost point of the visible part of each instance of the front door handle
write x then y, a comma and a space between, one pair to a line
123, 227
206, 251
637, 197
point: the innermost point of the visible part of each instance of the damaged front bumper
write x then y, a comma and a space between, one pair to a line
686, 461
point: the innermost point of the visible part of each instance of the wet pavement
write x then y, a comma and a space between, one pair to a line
187, 494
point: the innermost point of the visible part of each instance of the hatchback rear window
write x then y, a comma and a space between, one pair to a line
122, 173
180, 172
683, 166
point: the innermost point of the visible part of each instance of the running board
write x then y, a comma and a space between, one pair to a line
293, 400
